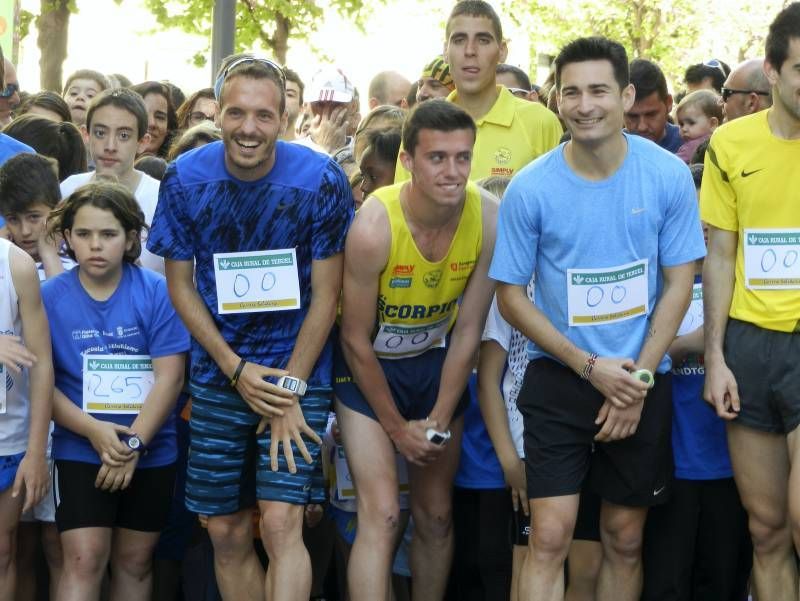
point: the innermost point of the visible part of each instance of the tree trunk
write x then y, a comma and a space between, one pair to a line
280, 40
53, 25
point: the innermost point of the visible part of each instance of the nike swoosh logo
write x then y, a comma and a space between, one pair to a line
637, 211
749, 173
658, 491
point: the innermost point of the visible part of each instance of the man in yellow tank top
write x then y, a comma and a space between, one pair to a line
416, 295
751, 200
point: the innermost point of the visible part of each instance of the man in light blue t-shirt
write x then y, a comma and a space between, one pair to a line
608, 226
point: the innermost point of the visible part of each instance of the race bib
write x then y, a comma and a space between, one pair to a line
607, 295
771, 259
252, 282
116, 384
694, 315
396, 340
344, 481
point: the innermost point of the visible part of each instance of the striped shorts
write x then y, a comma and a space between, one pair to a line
229, 466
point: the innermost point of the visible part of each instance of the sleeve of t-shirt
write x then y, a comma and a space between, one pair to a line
497, 328
681, 237
717, 198
170, 235
334, 213
167, 334
517, 241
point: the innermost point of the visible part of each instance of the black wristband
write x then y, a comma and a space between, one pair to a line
238, 372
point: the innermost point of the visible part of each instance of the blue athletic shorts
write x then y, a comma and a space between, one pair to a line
9, 464
229, 465
413, 381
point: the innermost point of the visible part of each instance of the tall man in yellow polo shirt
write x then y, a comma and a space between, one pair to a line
511, 131
751, 200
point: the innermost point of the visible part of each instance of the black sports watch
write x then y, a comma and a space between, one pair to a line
134, 443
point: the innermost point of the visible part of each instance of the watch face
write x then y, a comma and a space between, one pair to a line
290, 384
134, 442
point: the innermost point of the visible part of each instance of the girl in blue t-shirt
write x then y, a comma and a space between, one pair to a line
118, 355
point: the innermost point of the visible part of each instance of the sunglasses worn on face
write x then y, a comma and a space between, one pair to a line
728, 92
10, 90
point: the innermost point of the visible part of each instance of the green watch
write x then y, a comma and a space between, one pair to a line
646, 376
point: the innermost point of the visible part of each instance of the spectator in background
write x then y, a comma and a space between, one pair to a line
200, 106
162, 121
747, 90
648, 115
709, 75
698, 114
388, 87
79, 89
194, 137
435, 81
60, 141
9, 95
46, 104
516, 80
294, 103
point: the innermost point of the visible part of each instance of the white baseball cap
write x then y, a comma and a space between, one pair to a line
330, 84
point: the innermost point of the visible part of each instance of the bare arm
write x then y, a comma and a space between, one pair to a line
36, 334
462, 348
718, 280
255, 390
326, 286
490, 399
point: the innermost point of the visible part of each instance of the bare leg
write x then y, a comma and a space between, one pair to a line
518, 555
432, 509
86, 553
10, 509
552, 524
239, 574
132, 564
371, 458
289, 572
621, 571
583, 566
762, 470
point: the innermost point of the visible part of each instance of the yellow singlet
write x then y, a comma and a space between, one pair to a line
418, 299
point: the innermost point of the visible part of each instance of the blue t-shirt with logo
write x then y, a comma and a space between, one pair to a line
137, 319
552, 220
699, 440
304, 203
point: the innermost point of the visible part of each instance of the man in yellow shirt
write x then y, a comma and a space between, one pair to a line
511, 131
751, 200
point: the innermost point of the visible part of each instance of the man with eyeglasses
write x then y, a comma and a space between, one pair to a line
9, 96
516, 80
252, 230
747, 90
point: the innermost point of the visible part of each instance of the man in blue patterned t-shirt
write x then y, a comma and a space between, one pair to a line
252, 230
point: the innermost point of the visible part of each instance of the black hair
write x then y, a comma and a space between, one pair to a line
27, 179
476, 8
47, 100
647, 77
592, 49
155, 87
697, 173
291, 75
121, 98
106, 195
153, 166
60, 141
384, 143
781, 31
438, 115
695, 74
523, 81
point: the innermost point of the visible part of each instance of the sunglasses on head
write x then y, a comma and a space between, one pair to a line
10, 90
728, 92
715, 64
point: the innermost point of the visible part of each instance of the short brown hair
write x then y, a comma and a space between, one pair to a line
106, 195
